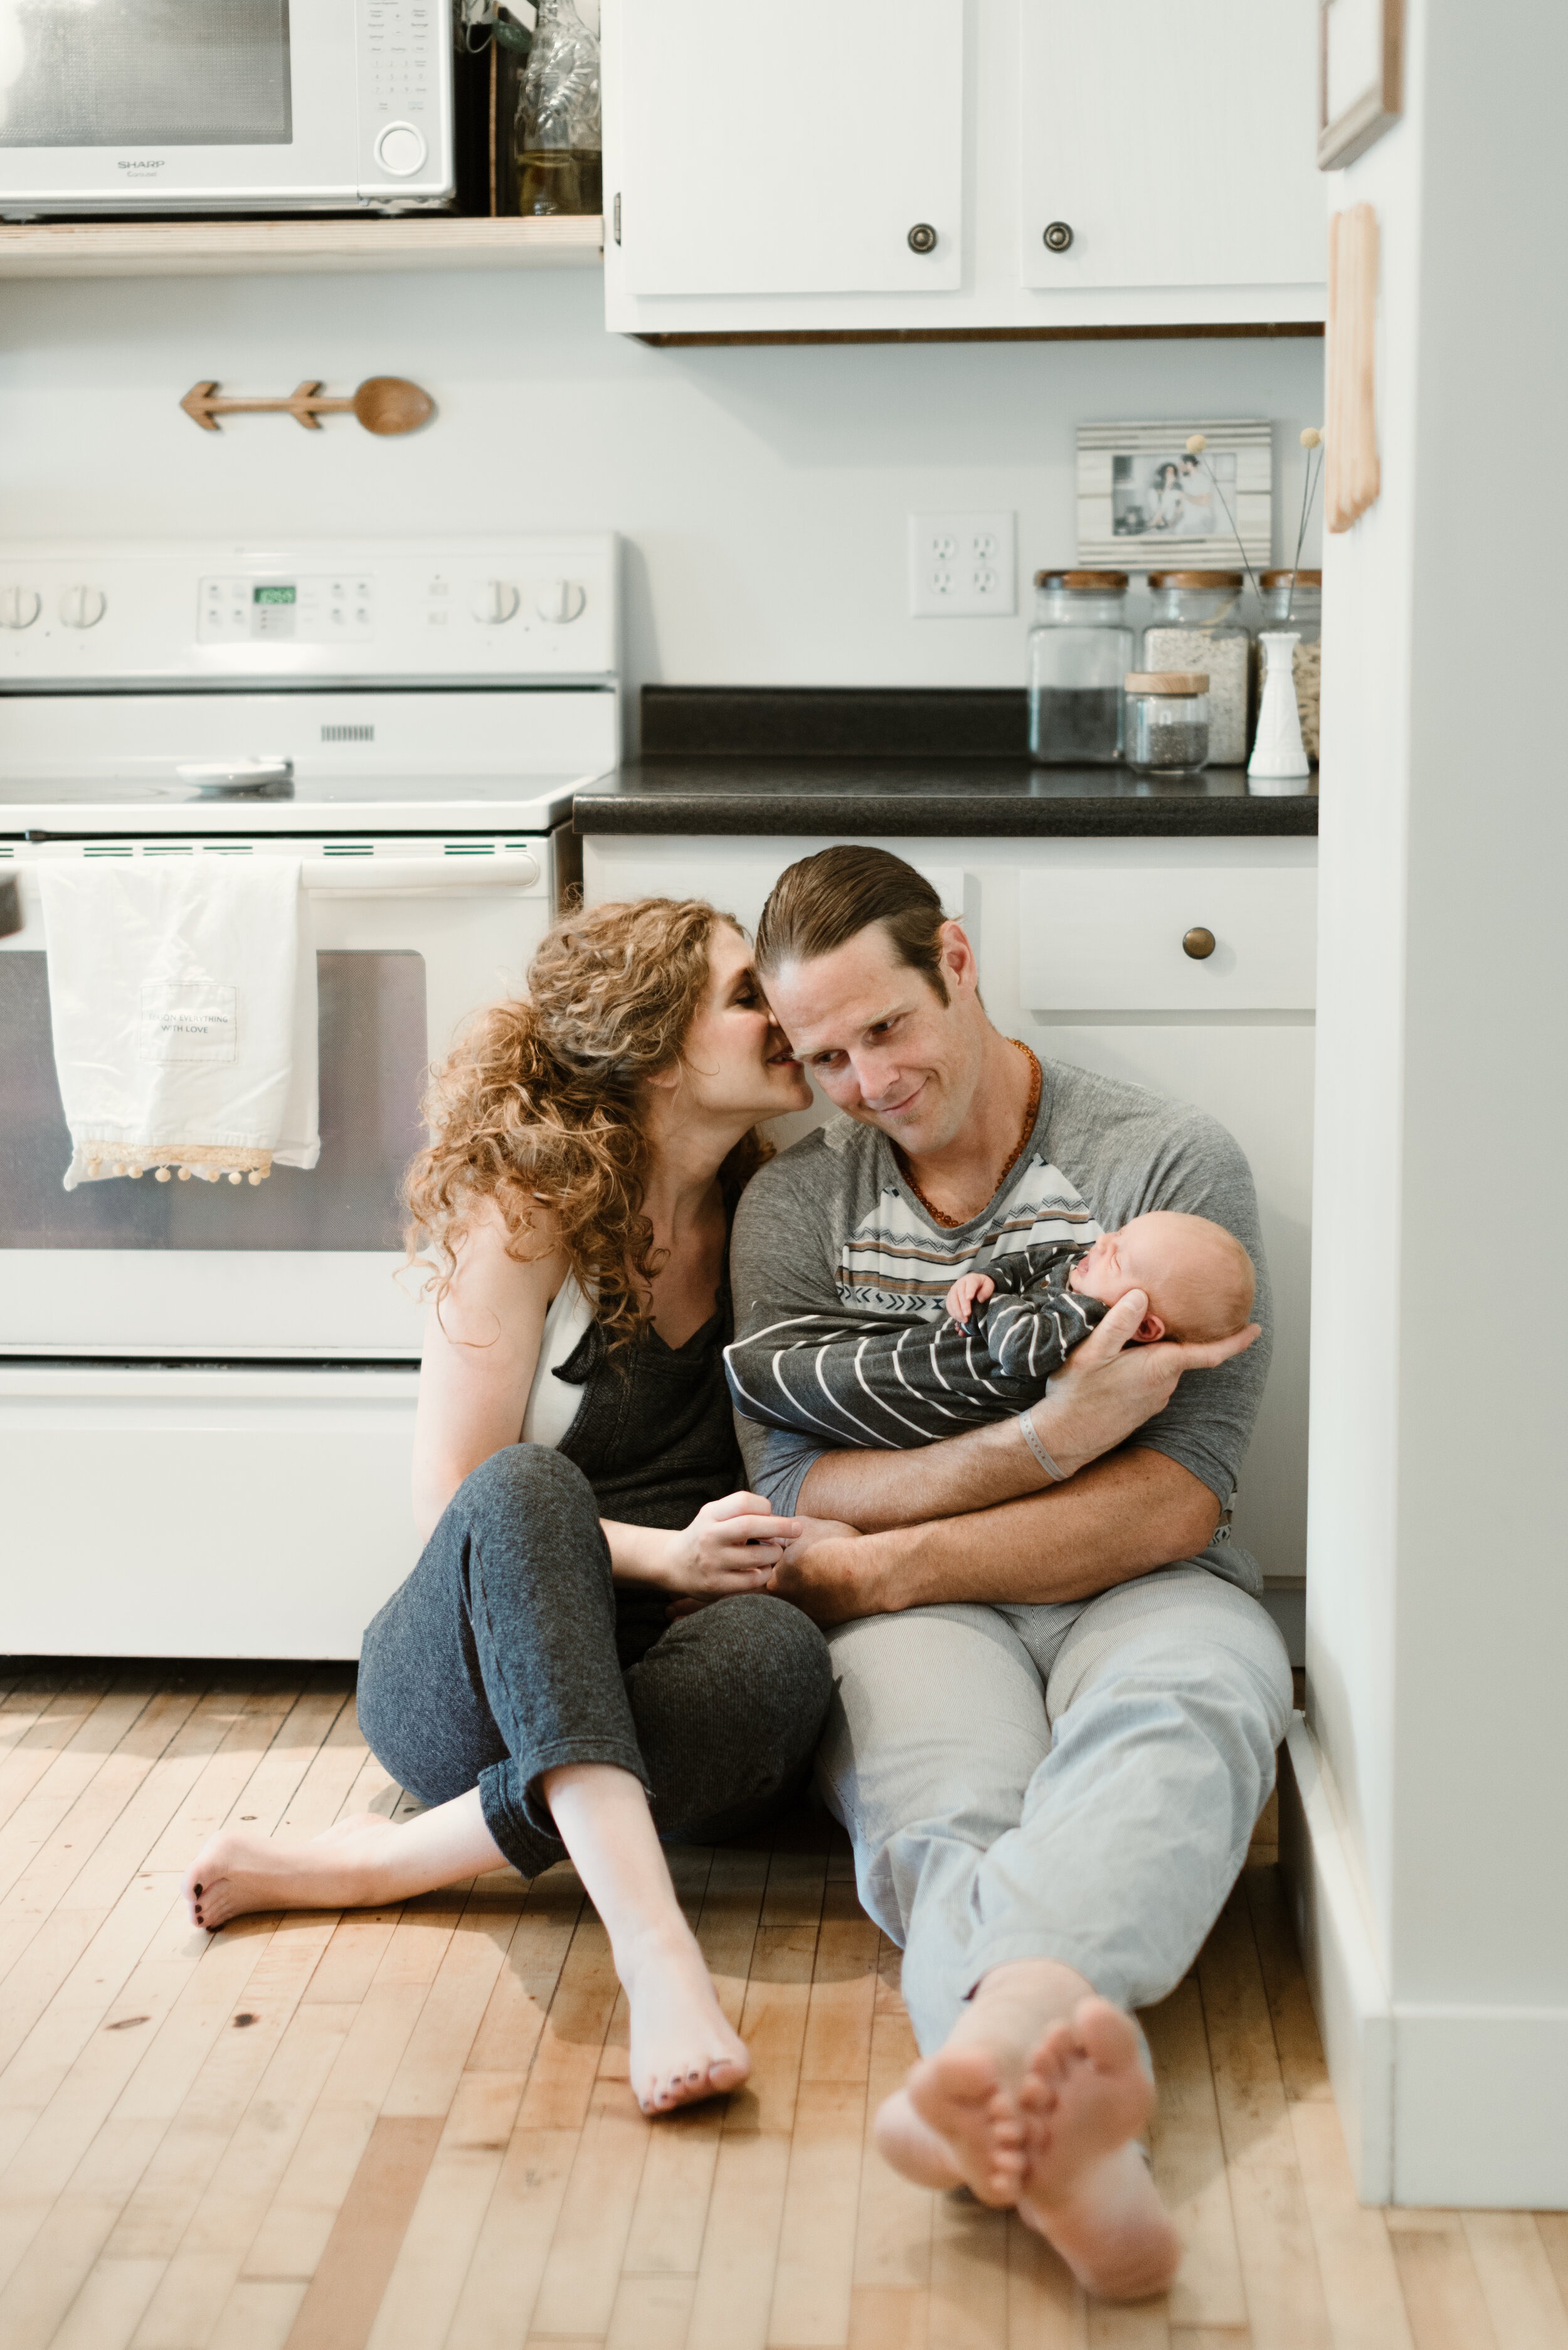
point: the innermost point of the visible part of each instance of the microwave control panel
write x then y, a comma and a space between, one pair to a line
404, 612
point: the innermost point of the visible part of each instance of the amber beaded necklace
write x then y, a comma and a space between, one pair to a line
951, 1224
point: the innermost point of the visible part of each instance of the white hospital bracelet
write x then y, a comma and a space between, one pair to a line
1027, 1429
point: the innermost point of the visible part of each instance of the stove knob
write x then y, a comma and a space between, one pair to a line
495, 601
563, 599
82, 607
19, 607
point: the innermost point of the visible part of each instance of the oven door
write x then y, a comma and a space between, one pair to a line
411, 936
181, 105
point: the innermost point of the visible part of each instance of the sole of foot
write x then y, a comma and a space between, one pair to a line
1087, 2185
960, 2093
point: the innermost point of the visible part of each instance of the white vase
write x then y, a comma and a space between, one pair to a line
1278, 753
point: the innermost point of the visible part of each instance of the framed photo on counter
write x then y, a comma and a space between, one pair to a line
1145, 500
1361, 77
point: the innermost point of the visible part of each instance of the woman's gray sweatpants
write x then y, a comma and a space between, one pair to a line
1075, 1781
509, 1651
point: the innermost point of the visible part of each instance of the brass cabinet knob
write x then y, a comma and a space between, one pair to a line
1058, 236
922, 237
1199, 944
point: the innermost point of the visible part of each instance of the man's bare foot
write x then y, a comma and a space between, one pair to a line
968, 2091
237, 1871
911, 2145
681, 2047
1087, 2185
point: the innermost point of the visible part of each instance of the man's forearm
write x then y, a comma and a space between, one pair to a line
1124, 1516
963, 1473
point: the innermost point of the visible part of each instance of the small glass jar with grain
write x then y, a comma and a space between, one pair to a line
1195, 626
1080, 649
1167, 721
1293, 599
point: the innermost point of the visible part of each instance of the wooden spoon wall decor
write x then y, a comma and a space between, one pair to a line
383, 403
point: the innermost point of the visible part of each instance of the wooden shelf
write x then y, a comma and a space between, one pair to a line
209, 248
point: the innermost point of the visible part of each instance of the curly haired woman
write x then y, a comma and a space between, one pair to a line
584, 1660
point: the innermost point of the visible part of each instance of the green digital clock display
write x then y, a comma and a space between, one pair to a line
276, 595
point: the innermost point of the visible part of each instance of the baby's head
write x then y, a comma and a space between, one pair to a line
1197, 1276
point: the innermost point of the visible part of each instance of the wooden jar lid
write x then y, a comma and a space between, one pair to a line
1105, 581
1195, 578
1283, 578
1166, 681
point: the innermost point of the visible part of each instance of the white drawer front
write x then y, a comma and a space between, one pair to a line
1101, 938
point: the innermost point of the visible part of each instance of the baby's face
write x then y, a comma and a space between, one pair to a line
1130, 1259
1196, 1277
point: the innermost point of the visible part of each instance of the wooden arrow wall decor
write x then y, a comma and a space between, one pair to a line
383, 403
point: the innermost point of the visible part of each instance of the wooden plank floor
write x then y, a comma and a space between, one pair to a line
410, 2129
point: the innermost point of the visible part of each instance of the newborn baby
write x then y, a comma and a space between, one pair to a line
890, 1384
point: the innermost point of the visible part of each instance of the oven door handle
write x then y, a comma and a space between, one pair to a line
417, 876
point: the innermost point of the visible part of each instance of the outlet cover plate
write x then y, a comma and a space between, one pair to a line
963, 566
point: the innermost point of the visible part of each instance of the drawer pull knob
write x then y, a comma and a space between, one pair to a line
1199, 944
922, 237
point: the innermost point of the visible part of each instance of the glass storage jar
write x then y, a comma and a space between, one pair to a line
1168, 722
1079, 652
1194, 626
1302, 612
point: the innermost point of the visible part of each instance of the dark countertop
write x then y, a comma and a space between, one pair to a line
986, 798
892, 761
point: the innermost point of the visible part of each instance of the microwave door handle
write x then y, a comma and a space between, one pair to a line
417, 877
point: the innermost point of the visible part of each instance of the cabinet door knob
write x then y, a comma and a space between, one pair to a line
922, 237
1199, 944
1058, 236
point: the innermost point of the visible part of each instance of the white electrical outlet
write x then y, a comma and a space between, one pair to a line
962, 565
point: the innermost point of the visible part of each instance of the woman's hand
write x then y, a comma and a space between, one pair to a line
1108, 1387
731, 1546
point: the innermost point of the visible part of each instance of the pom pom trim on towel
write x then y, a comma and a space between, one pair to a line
211, 1162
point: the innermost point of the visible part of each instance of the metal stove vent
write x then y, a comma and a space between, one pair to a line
348, 734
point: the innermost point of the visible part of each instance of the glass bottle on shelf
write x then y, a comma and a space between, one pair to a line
1194, 626
556, 138
1294, 600
1080, 649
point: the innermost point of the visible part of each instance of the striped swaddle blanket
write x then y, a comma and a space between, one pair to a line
900, 1383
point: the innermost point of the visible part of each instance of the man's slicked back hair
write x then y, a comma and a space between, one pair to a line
820, 904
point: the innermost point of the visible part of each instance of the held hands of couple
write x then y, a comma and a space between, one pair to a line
1107, 1388
731, 1546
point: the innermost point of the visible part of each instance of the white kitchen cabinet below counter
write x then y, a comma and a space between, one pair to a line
1080, 954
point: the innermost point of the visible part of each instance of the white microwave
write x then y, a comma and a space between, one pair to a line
174, 106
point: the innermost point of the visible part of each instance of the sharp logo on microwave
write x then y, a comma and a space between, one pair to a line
138, 166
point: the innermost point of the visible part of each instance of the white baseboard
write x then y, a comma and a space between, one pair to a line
1348, 1993
1453, 2105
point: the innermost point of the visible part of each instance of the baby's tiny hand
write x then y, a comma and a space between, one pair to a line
973, 1289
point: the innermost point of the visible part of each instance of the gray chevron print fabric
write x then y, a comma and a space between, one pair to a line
897, 1383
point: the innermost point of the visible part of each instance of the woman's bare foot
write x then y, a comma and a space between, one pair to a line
681, 2047
237, 1871
1087, 2185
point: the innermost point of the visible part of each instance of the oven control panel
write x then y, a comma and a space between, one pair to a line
425, 612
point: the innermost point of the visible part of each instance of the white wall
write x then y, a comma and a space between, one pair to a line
763, 490
1437, 1601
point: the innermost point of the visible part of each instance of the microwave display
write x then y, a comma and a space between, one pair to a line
145, 73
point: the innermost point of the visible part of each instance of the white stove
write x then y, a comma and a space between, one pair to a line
229, 1376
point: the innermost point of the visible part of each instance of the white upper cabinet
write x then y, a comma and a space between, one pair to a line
1173, 139
783, 150
765, 166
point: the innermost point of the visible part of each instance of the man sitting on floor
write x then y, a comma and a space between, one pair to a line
1057, 1697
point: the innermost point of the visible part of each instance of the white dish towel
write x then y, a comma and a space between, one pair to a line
183, 1000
